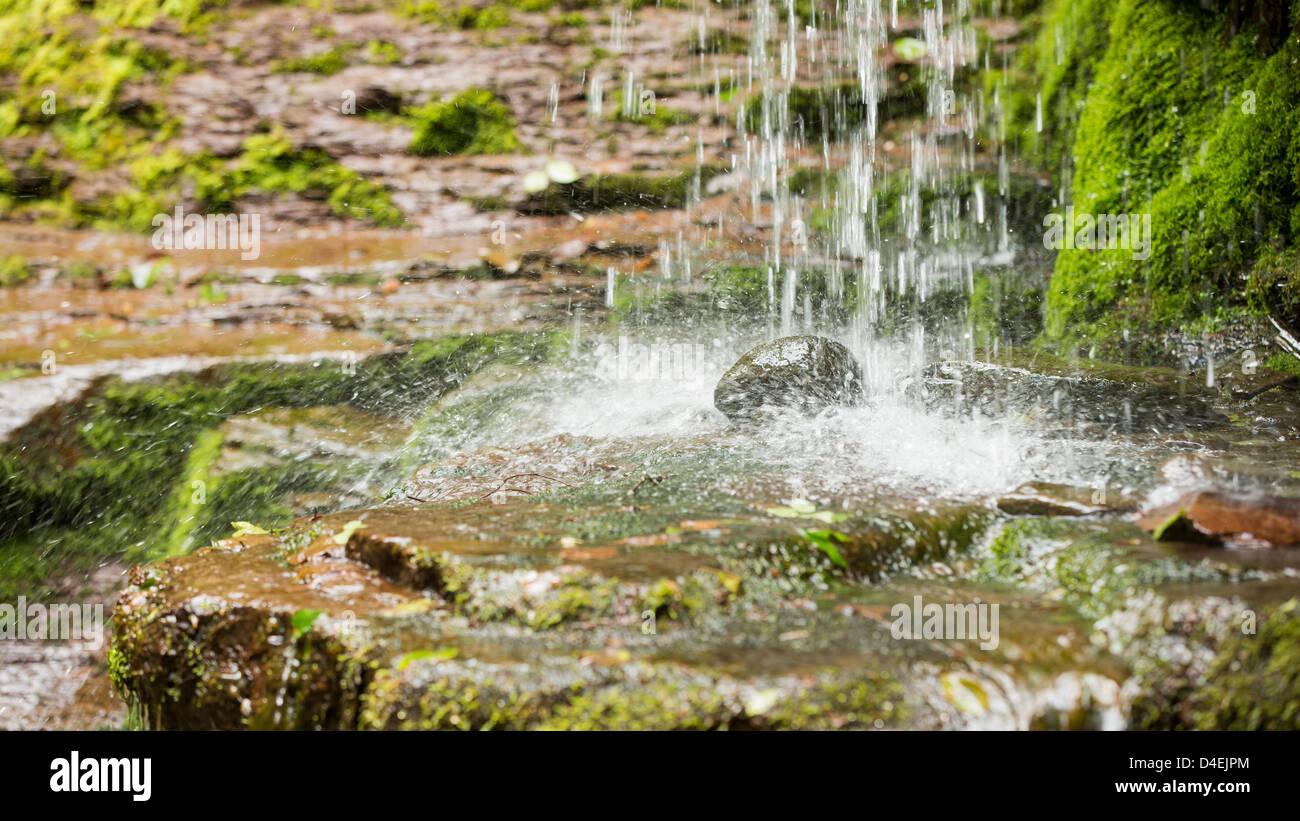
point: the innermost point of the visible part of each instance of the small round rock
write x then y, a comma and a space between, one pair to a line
803, 373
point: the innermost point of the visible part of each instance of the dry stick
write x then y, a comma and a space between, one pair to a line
502, 486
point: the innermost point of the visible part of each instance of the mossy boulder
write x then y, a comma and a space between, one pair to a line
1209, 154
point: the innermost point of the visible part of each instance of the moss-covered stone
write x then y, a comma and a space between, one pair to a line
619, 192
1254, 681
63, 471
1189, 117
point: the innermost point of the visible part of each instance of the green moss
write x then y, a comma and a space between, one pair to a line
69, 83
1254, 681
72, 86
383, 53
656, 707
475, 121
718, 41
1007, 307
1097, 566
68, 497
328, 62
833, 111
1285, 362
662, 696
14, 270
619, 192
572, 19
870, 699
191, 493
466, 16
172, 669
1178, 118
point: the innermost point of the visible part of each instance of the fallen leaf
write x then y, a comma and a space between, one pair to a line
341, 538
964, 693
825, 541
730, 581
303, 619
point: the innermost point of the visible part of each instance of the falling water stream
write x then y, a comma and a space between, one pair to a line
870, 186
857, 277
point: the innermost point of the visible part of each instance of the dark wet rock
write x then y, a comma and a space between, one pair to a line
805, 373
1114, 396
372, 99
1220, 516
1049, 499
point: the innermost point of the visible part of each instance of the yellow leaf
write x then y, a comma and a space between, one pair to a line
348, 529
247, 529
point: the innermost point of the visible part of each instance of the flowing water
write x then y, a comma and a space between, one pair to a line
876, 179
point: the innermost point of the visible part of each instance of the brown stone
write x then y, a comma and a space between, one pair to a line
1217, 516
1050, 499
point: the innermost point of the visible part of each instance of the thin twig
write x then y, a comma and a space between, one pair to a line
501, 486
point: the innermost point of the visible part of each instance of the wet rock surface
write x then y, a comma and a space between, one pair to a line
807, 374
436, 618
452, 544
1116, 398
674, 583
1050, 499
1216, 517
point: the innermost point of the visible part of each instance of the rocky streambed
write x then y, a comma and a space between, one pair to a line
569, 551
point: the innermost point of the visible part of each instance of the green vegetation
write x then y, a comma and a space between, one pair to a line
833, 111
651, 113
475, 121
68, 498
1187, 114
78, 89
1254, 682
466, 17
13, 271
269, 163
382, 53
330, 61
718, 41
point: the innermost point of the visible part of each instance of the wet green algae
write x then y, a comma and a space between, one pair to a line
77, 86
71, 500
